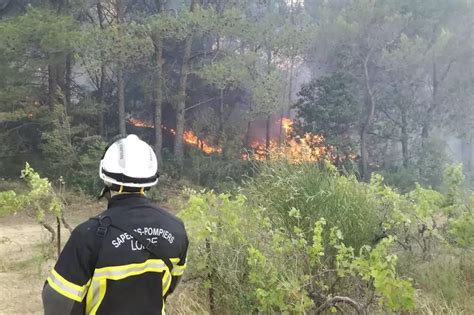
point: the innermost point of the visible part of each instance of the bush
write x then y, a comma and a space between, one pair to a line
262, 254
214, 171
318, 191
302, 239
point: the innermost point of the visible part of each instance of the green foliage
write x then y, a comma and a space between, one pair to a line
39, 201
317, 191
228, 72
283, 250
402, 178
380, 266
329, 106
215, 172
29, 43
86, 177
254, 263
461, 227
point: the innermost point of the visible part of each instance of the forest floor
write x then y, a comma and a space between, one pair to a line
27, 256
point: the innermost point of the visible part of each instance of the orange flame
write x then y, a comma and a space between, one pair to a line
189, 137
286, 124
192, 139
140, 123
296, 149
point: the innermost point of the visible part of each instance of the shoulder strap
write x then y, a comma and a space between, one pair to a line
106, 221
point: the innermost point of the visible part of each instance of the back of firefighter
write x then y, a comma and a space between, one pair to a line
128, 259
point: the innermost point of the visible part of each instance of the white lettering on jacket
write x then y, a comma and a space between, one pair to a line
153, 232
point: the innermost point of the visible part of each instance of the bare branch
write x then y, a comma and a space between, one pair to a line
341, 299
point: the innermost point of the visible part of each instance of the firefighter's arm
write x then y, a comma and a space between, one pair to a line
178, 270
55, 303
69, 280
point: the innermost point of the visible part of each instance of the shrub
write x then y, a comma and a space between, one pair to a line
317, 190
248, 262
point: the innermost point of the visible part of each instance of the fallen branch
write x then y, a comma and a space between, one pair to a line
341, 299
66, 225
50, 229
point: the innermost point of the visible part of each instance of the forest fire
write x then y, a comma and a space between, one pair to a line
297, 149
189, 137
192, 139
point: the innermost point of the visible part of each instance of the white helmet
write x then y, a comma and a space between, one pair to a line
129, 162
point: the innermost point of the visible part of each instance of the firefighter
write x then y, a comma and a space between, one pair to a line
128, 259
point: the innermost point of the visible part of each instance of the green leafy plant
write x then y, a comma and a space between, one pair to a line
249, 262
39, 202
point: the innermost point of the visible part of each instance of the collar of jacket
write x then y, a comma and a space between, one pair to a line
124, 200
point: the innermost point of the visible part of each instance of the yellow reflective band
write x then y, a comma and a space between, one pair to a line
178, 270
166, 282
97, 288
142, 190
95, 295
67, 288
90, 298
121, 272
63, 290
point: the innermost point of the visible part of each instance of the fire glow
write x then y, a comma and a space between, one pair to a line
189, 137
296, 149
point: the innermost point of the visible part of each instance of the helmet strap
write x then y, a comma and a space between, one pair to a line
105, 192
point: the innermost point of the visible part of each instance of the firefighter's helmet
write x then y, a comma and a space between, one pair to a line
129, 163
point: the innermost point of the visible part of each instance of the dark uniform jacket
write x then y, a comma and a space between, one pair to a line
115, 274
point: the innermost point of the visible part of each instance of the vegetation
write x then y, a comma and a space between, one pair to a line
325, 130
317, 241
217, 78
39, 201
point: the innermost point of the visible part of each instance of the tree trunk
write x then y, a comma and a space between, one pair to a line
121, 100
220, 132
52, 86
68, 82
404, 139
181, 97
100, 88
158, 93
100, 99
267, 136
425, 130
467, 150
283, 134
437, 80
120, 73
369, 116
247, 134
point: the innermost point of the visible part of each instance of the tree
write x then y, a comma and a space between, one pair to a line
328, 106
362, 30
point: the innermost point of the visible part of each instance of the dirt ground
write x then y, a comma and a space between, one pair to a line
26, 257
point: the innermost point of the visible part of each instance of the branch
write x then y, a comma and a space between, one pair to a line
390, 117
200, 103
386, 137
446, 71
20, 126
204, 53
341, 299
